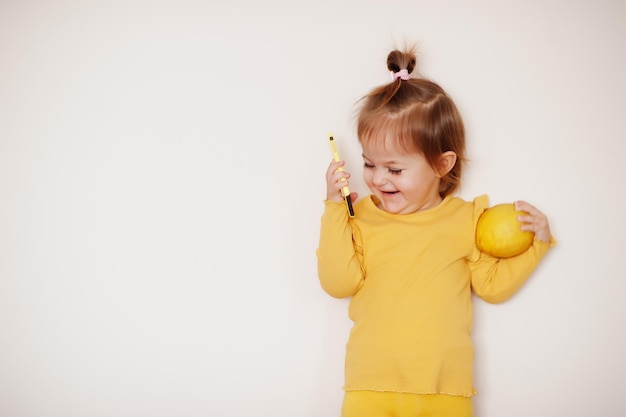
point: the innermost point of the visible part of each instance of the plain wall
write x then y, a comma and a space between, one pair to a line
161, 183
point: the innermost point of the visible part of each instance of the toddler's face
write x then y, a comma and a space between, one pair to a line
403, 182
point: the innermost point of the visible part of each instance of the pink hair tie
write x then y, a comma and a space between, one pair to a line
402, 74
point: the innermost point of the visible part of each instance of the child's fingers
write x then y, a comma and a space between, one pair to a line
336, 180
333, 167
341, 177
334, 175
522, 205
535, 221
532, 211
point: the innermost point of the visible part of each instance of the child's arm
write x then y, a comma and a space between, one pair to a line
494, 279
339, 254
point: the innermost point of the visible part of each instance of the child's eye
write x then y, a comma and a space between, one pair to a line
395, 171
366, 165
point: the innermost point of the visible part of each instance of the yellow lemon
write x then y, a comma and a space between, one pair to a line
498, 232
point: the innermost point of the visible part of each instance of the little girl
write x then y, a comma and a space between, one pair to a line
408, 258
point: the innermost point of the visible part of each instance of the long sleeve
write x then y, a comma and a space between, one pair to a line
495, 280
339, 254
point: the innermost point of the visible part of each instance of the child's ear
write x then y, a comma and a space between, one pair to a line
446, 163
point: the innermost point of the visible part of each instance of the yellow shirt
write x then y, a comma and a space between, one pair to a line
410, 278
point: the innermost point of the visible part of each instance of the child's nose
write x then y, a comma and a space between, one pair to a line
379, 177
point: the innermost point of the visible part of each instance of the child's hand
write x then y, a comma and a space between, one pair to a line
334, 182
535, 221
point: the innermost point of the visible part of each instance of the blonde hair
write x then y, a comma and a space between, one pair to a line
418, 114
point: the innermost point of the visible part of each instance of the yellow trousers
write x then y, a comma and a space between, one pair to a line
383, 404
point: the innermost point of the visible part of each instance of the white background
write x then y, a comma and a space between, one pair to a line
162, 176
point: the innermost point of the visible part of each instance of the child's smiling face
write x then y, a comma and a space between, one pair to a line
404, 182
